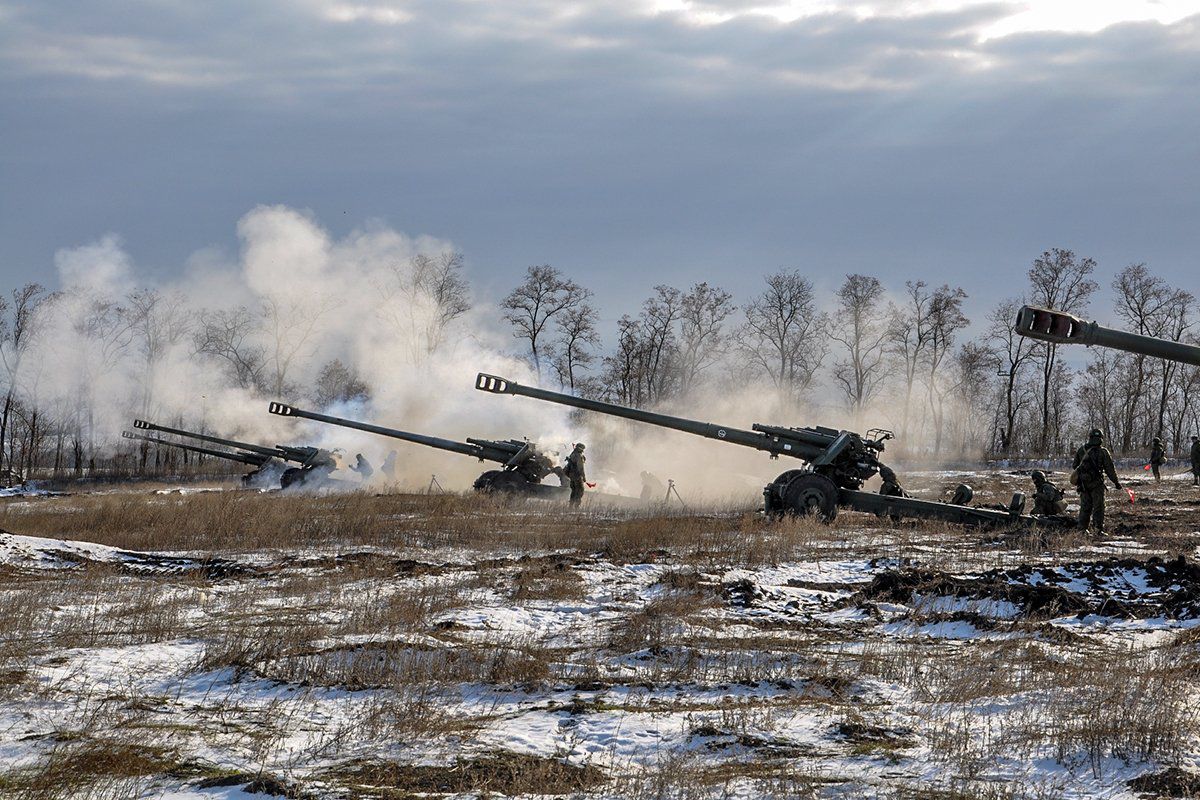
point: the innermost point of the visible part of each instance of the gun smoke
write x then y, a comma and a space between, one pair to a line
381, 327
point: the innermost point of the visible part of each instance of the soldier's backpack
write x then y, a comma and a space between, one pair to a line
1090, 469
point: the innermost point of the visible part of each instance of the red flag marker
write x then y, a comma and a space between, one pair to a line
1132, 498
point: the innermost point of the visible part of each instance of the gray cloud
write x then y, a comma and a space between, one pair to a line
627, 148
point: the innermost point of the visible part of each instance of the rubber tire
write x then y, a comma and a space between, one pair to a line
811, 494
773, 493
290, 477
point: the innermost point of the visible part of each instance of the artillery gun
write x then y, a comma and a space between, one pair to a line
1059, 327
314, 464
266, 468
523, 468
839, 462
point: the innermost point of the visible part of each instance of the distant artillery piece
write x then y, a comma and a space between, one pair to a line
523, 468
1059, 327
260, 462
315, 464
839, 462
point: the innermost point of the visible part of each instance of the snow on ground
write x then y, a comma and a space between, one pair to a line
879, 664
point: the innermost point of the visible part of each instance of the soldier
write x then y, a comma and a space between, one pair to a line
1048, 499
1158, 456
1092, 463
576, 473
389, 465
963, 495
890, 486
1196, 461
652, 488
362, 467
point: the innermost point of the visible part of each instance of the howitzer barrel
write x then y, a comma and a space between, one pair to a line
769, 442
253, 459
1060, 327
269, 452
480, 450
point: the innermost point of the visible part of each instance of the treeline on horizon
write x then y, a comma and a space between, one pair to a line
901, 356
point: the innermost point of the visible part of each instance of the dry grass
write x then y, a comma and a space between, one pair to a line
376, 598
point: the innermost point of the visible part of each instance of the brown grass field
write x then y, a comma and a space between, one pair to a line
230, 644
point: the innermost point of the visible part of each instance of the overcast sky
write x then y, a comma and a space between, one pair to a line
628, 142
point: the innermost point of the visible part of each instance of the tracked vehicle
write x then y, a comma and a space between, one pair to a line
838, 463
523, 465
313, 469
1059, 327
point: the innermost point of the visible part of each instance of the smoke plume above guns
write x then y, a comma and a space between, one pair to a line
383, 327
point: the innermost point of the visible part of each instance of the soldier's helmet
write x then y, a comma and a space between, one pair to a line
1157, 440
579, 446
1096, 435
1196, 438
1038, 476
887, 474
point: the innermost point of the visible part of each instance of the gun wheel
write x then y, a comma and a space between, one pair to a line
814, 495
503, 481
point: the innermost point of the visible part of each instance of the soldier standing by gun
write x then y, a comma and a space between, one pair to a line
1196, 461
1093, 463
1158, 457
576, 473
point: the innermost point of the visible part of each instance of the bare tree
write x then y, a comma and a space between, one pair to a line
577, 335
1062, 281
532, 306
702, 336
289, 327
421, 299
858, 327
17, 330
231, 337
660, 315
783, 335
158, 322
1012, 353
908, 338
945, 320
339, 383
625, 368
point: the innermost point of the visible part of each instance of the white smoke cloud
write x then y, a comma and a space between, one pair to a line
314, 298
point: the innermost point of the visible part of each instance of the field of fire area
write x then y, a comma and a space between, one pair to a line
599, 400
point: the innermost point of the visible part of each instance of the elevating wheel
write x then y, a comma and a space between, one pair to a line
811, 494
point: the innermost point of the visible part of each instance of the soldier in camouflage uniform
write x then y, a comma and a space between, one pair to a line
1196, 461
1158, 457
1048, 500
576, 474
1092, 464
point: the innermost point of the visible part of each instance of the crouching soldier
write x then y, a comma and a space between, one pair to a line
891, 485
576, 474
1048, 499
1093, 463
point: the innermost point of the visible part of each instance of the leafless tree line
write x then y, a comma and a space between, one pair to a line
904, 357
